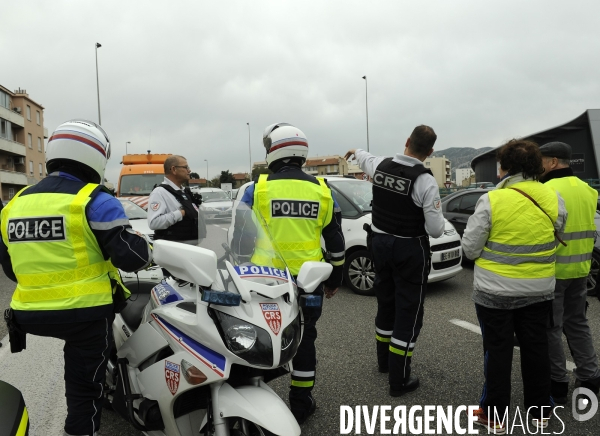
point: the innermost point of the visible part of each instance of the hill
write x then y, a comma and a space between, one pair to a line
460, 157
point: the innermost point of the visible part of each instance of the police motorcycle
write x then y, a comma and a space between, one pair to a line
14, 419
193, 354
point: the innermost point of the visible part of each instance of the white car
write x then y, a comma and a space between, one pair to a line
354, 198
138, 218
216, 203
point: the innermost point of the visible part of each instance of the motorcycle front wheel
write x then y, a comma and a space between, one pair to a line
243, 427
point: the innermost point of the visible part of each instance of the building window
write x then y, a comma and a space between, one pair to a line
4, 100
41, 170
31, 167
30, 140
11, 193
38, 117
39, 144
29, 112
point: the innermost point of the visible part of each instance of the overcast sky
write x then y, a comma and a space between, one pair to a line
186, 76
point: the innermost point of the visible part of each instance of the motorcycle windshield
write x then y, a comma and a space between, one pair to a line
252, 250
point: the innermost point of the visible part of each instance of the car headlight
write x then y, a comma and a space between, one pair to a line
290, 340
248, 341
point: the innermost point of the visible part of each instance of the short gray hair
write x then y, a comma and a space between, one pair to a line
171, 161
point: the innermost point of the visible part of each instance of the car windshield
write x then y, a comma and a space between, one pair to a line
208, 196
358, 192
133, 211
139, 184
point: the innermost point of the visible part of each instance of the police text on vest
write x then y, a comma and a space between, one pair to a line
396, 184
295, 209
38, 229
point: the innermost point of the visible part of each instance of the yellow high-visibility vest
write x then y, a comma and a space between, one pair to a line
55, 256
574, 260
295, 213
521, 243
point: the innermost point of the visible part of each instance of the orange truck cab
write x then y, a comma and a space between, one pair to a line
139, 175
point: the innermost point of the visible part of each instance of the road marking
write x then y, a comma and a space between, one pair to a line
476, 329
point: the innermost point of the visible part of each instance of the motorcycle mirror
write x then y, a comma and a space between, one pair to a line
312, 274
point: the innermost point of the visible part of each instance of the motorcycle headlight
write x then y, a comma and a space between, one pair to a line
290, 340
250, 342
240, 338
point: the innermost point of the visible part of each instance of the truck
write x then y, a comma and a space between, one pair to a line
139, 175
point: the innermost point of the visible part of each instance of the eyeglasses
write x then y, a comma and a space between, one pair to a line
181, 166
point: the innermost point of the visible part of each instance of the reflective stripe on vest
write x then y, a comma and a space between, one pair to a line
298, 238
521, 242
57, 274
574, 260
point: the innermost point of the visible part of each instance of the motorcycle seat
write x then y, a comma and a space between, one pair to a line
140, 295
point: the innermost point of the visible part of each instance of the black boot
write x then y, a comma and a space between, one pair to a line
411, 384
559, 391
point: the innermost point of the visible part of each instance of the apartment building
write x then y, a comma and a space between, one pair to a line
463, 174
22, 134
440, 167
326, 165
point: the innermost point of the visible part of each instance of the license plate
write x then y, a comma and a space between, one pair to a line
450, 255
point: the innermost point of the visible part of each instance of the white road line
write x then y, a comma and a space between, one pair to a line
476, 329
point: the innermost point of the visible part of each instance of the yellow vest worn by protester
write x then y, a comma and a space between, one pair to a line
55, 256
295, 212
521, 244
574, 260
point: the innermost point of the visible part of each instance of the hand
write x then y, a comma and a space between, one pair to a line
350, 153
330, 292
182, 212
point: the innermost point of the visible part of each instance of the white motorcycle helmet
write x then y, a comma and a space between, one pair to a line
81, 142
284, 141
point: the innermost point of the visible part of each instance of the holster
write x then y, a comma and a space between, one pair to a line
367, 228
17, 337
119, 296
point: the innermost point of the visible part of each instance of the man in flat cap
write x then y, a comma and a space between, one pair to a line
573, 264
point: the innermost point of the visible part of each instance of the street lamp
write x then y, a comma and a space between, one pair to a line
367, 107
128, 142
98, 45
206, 172
249, 150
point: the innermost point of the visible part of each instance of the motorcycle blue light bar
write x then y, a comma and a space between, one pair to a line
311, 301
222, 298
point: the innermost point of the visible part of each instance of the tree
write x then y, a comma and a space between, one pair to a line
215, 182
256, 171
226, 177
194, 176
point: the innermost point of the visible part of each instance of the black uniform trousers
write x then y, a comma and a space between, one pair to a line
305, 361
401, 270
87, 349
498, 327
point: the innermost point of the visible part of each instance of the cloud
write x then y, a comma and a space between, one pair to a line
185, 77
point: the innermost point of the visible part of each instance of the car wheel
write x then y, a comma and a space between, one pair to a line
359, 274
592, 280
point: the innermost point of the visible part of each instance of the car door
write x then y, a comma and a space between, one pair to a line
460, 209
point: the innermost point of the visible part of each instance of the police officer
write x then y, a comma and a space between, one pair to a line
406, 209
298, 209
573, 264
62, 241
173, 208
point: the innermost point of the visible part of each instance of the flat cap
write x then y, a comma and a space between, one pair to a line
559, 150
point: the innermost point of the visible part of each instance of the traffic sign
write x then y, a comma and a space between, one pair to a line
448, 184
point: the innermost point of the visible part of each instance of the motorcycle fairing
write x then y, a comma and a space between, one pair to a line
164, 293
142, 344
213, 360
